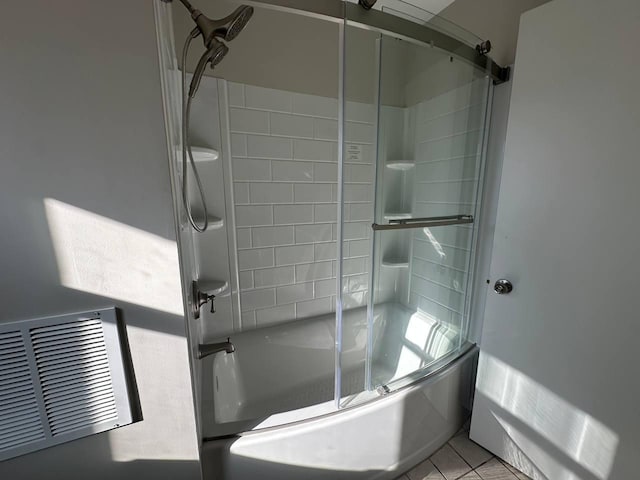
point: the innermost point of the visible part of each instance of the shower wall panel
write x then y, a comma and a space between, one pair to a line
284, 147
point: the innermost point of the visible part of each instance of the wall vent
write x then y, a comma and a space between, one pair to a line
61, 378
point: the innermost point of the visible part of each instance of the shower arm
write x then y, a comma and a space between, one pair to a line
187, 4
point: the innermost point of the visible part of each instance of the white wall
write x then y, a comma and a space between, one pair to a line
81, 123
557, 391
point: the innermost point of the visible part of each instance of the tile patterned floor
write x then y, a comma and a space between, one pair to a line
462, 459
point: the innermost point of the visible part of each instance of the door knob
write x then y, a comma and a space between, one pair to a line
502, 287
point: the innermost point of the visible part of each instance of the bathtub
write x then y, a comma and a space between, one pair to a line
269, 410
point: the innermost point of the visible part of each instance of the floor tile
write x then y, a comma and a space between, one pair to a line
450, 464
495, 470
470, 451
471, 476
425, 471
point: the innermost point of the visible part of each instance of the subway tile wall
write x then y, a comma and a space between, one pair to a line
284, 148
447, 146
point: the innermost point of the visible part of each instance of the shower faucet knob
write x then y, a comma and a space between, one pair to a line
201, 298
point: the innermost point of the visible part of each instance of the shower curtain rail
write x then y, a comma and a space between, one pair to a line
424, 222
377, 20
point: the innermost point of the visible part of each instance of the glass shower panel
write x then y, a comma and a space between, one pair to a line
429, 168
430, 111
360, 114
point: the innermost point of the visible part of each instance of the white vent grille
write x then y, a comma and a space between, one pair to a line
20, 421
61, 378
74, 375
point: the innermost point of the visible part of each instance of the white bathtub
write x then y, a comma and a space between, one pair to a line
272, 401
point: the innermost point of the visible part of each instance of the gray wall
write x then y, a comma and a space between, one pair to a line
286, 51
81, 122
276, 50
300, 54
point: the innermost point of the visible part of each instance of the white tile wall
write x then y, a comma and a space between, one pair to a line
447, 134
285, 171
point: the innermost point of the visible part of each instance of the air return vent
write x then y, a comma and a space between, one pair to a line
61, 378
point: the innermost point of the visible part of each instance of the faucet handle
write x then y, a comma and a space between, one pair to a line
205, 294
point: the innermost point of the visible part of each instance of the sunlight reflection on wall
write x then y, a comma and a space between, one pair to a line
576, 434
101, 256
167, 432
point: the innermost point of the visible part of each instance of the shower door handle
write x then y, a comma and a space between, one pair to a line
425, 222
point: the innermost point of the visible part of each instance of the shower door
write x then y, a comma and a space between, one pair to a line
419, 210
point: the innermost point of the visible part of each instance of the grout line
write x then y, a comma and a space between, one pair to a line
456, 134
450, 112
445, 159
454, 180
461, 456
433, 300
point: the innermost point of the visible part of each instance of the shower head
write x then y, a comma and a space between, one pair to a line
226, 28
214, 55
213, 31
367, 4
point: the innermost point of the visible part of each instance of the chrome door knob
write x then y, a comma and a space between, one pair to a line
502, 287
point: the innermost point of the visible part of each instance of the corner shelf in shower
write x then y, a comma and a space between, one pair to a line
202, 154
215, 223
400, 164
395, 262
213, 287
397, 216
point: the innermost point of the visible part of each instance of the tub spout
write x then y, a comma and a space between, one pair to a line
206, 349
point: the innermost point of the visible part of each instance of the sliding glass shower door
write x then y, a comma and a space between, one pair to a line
430, 111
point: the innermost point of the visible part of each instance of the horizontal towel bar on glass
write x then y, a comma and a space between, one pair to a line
426, 222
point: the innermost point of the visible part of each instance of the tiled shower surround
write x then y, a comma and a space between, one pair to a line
448, 159
285, 172
284, 147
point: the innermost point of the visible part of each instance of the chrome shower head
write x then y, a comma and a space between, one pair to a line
226, 28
